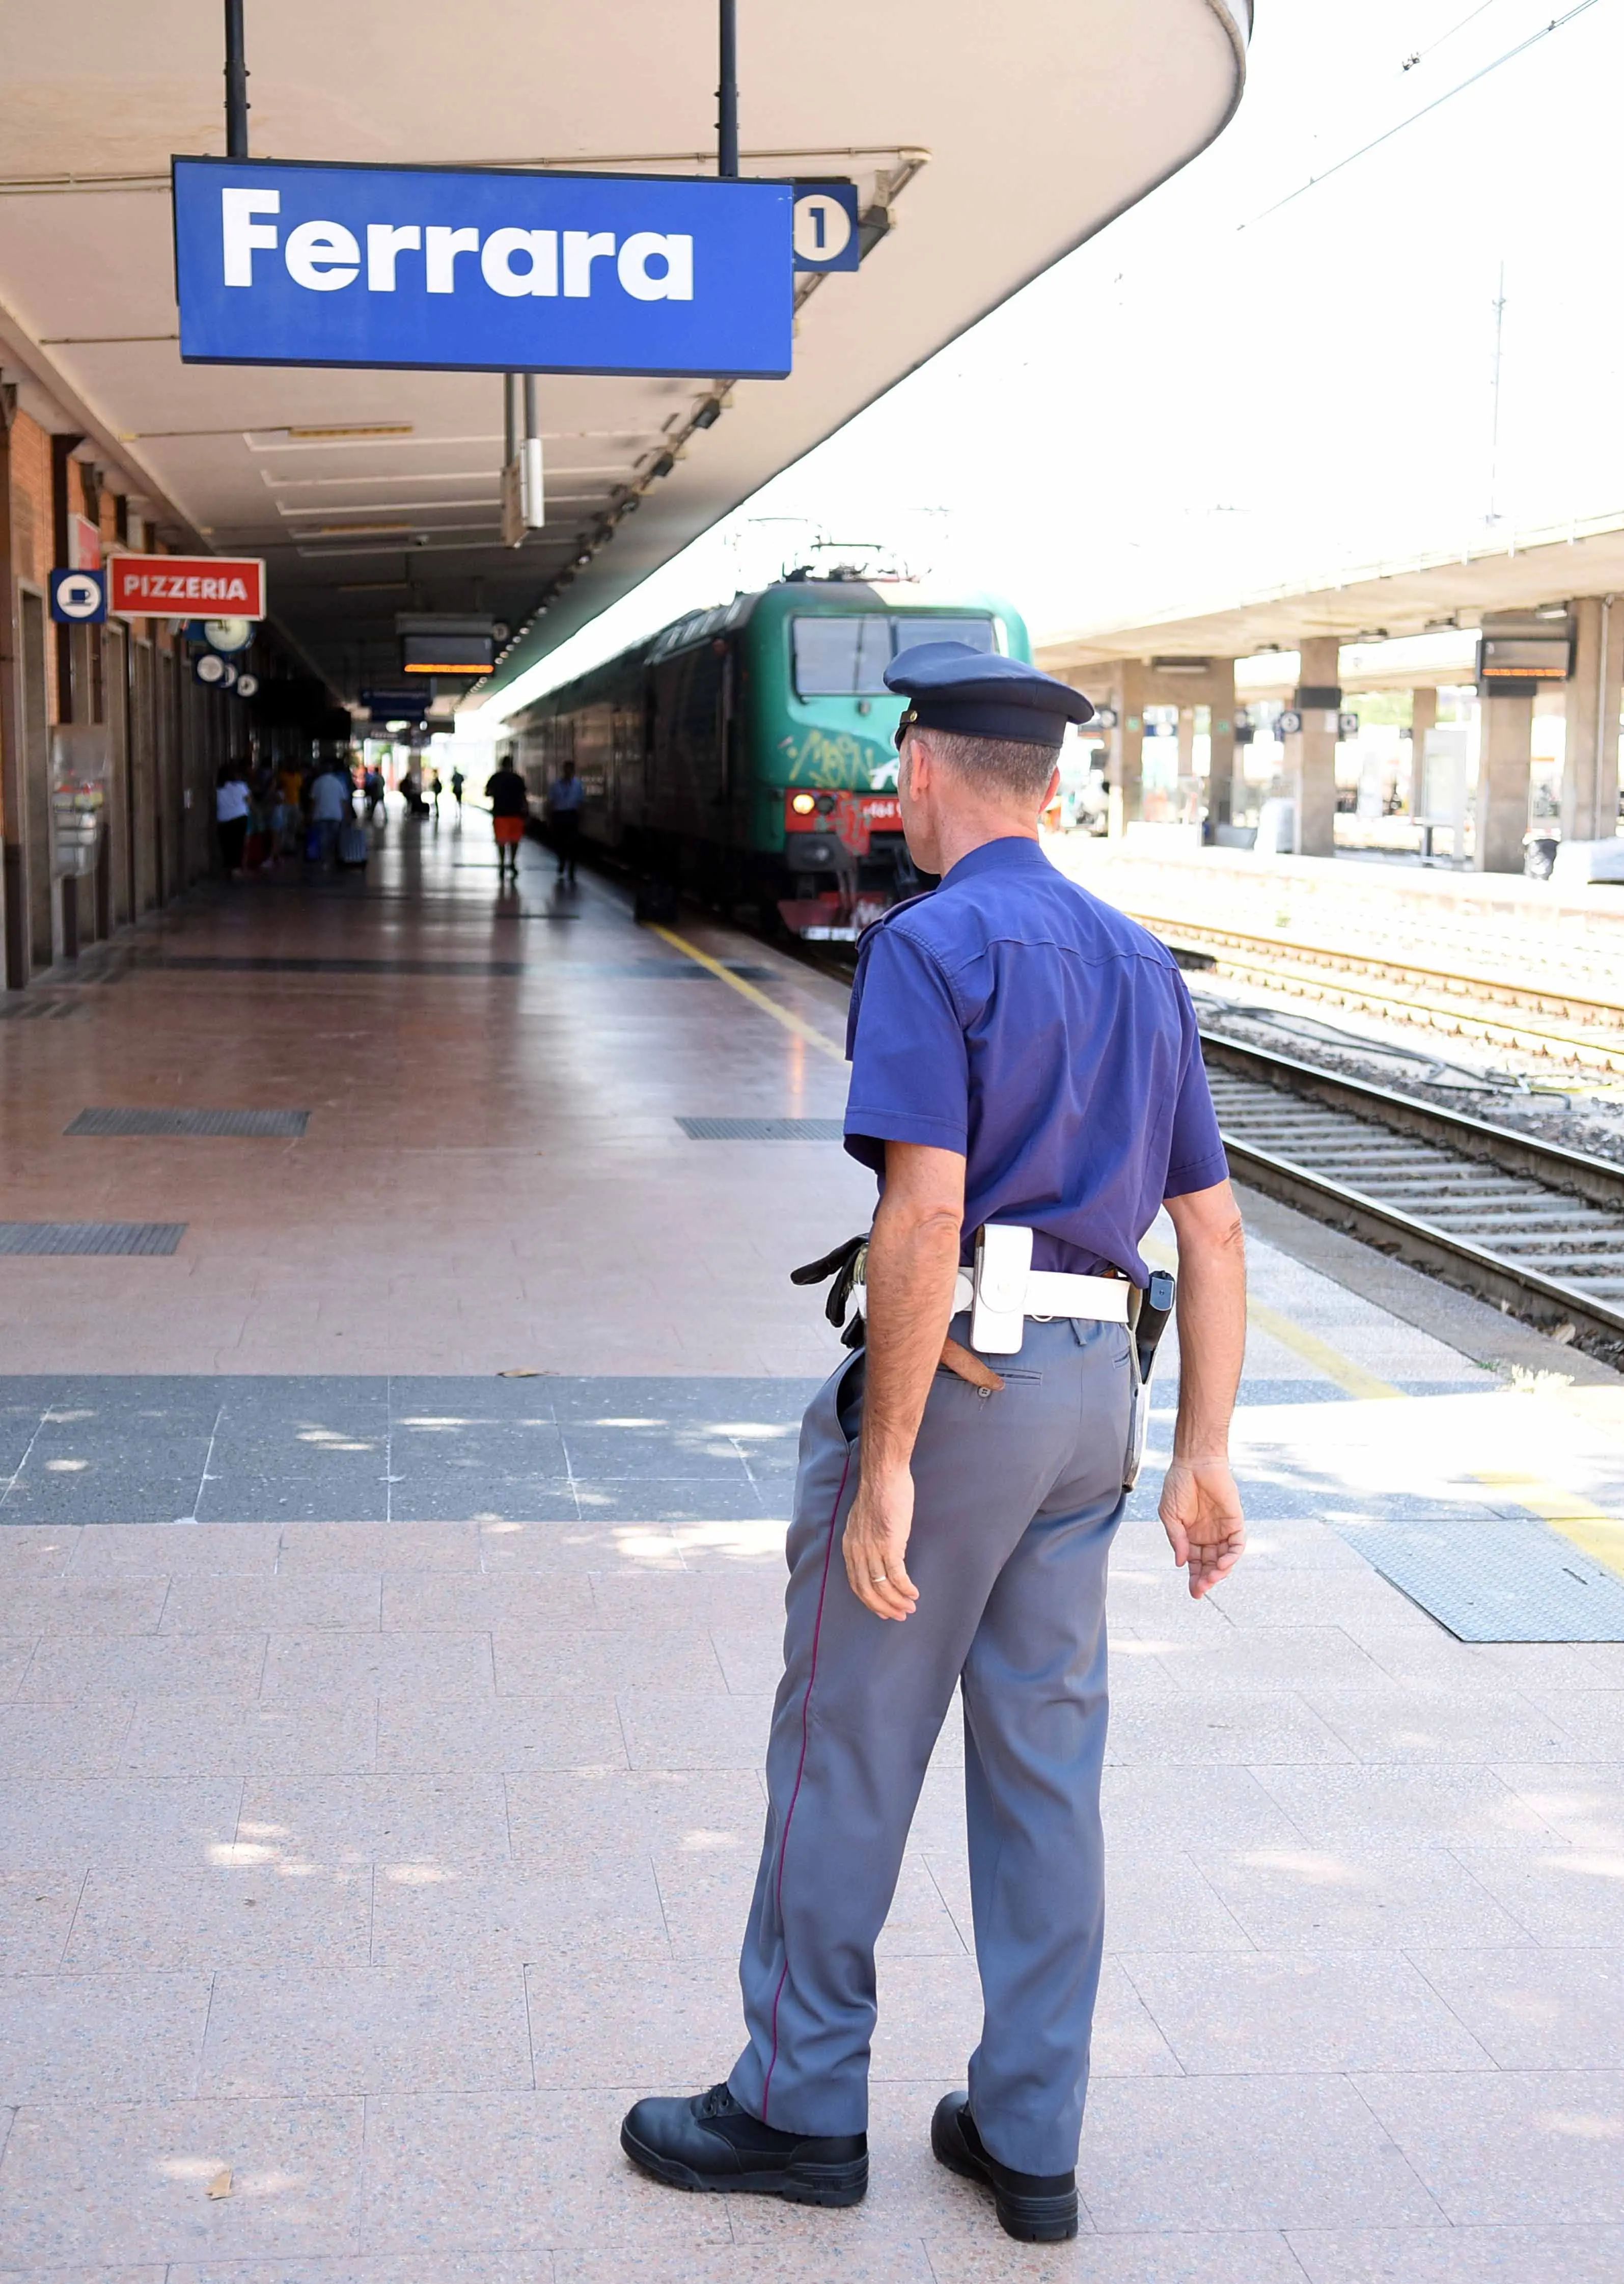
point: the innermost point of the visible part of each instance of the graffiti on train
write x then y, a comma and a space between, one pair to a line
834, 758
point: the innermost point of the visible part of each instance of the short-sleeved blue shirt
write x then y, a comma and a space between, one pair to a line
1013, 1017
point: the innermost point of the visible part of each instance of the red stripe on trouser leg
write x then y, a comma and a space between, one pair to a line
783, 1839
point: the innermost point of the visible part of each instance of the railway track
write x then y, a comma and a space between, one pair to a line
1529, 1226
1524, 1225
1552, 1018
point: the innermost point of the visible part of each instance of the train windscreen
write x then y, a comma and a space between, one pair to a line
846, 656
841, 657
977, 633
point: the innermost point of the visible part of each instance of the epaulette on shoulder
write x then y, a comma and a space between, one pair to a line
905, 904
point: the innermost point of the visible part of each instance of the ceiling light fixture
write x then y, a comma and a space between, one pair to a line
355, 428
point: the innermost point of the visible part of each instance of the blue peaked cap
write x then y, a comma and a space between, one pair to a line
976, 693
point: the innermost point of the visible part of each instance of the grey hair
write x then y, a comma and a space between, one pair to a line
1005, 765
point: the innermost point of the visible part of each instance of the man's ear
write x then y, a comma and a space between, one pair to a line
917, 761
1054, 787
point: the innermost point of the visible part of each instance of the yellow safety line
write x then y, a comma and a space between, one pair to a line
1583, 1523
810, 1032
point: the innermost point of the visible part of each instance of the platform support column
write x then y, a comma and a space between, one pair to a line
1422, 717
1504, 767
1590, 732
1220, 743
1125, 770
1311, 751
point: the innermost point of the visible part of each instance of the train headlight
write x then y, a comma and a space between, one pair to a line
802, 804
826, 804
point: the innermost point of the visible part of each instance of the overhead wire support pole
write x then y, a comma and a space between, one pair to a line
727, 92
236, 84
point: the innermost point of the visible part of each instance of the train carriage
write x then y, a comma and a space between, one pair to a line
745, 753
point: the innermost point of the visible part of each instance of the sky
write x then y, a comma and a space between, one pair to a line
1244, 382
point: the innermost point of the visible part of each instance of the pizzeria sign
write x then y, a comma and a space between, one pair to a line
186, 586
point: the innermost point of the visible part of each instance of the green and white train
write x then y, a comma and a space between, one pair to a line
744, 754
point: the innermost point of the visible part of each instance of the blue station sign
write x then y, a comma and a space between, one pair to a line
281, 262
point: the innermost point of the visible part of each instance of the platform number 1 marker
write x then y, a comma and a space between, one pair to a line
825, 226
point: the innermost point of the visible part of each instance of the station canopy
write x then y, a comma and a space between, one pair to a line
1368, 605
992, 141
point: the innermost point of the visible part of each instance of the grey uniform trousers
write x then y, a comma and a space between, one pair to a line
1017, 1497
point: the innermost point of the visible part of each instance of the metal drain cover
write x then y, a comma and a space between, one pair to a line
90, 1236
762, 1130
1500, 1578
284, 1122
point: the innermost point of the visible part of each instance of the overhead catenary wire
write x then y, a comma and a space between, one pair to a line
1557, 24
1420, 55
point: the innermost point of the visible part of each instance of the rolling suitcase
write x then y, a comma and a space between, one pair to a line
352, 845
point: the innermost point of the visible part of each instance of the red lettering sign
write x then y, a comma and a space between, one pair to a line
186, 587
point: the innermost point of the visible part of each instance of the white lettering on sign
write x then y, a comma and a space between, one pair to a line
541, 249
444, 245
325, 257
384, 241
322, 255
240, 233
676, 284
582, 250
184, 587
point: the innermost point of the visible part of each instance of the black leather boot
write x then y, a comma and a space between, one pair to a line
1037, 2208
706, 2141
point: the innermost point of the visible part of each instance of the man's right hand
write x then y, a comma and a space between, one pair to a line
876, 1544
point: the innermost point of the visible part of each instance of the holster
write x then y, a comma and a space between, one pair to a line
1148, 1314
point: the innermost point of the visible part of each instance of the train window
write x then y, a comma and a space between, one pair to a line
979, 633
840, 657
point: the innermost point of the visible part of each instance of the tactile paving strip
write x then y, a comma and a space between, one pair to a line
265, 1122
762, 1130
90, 1236
1495, 1578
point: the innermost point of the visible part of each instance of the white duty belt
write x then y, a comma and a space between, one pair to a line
1004, 1290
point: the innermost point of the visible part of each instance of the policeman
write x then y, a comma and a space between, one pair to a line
1028, 1084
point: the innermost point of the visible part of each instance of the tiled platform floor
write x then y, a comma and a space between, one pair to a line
377, 1853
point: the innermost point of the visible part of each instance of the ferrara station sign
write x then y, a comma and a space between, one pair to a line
482, 269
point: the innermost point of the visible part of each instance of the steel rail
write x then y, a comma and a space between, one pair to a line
1347, 980
1455, 1255
1537, 998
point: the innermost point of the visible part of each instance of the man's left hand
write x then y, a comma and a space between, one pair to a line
1200, 1512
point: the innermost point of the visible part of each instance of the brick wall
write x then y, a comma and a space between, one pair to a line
33, 537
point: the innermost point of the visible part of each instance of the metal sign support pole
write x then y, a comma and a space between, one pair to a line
509, 424
236, 84
727, 93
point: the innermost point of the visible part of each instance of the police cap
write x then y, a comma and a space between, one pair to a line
976, 693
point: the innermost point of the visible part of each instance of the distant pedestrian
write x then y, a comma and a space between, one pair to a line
434, 790
457, 782
331, 794
231, 806
510, 813
563, 800
372, 788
